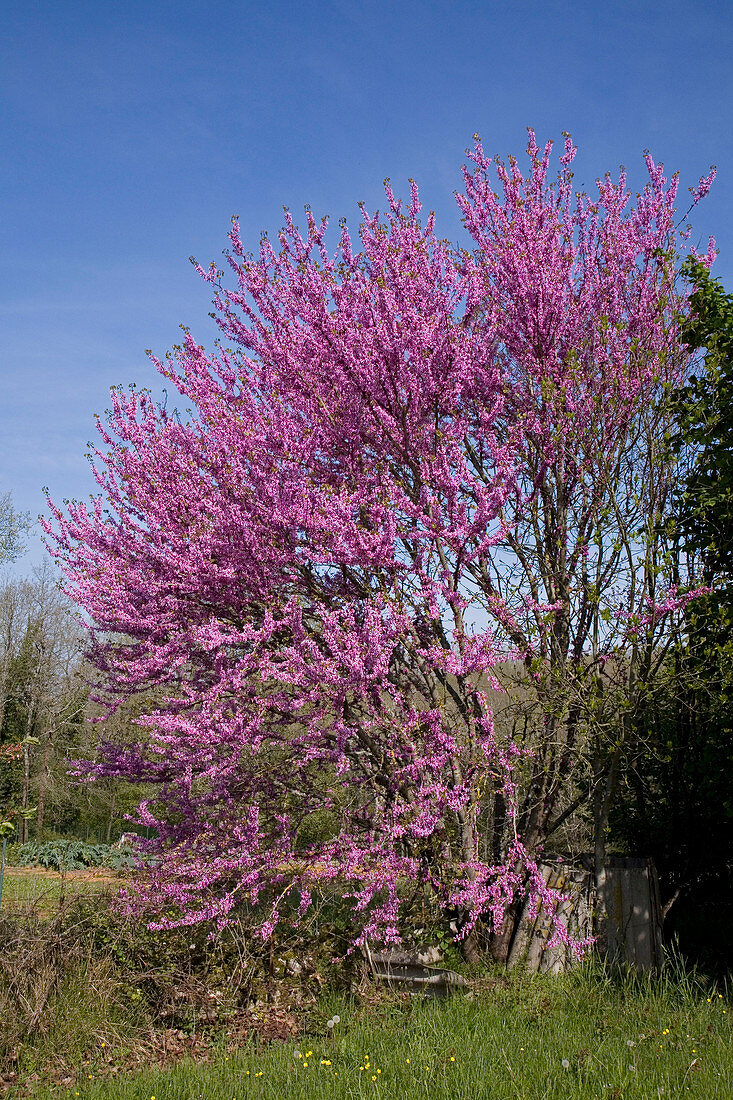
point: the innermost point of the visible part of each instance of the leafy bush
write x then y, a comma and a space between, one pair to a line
70, 854
62, 855
124, 858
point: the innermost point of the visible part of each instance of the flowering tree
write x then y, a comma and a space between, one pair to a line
311, 570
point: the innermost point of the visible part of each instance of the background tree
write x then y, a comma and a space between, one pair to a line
404, 441
704, 409
42, 700
14, 526
678, 797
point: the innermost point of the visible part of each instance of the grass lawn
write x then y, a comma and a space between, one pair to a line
35, 888
525, 1038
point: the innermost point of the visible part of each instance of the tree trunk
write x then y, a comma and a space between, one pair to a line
43, 785
25, 791
605, 786
471, 948
500, 942
471, 943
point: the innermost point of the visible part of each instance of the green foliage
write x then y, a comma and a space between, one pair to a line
677, 797
122, 858
318, 827
12, 853
19, 720
704, 409
63, 855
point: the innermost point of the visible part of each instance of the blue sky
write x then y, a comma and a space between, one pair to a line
131, 133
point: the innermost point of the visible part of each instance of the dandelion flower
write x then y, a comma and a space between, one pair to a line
565, 1064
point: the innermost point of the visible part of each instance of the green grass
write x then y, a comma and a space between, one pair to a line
36, 889
529, 1038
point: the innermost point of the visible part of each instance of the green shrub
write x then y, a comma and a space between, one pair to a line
62, 855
